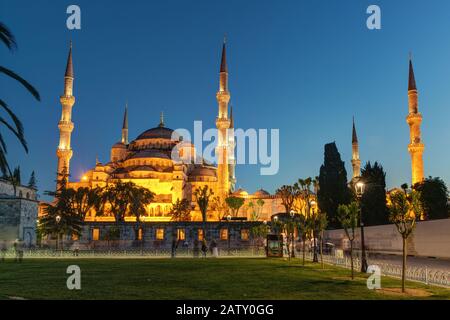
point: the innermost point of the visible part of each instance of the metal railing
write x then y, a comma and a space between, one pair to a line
423, 274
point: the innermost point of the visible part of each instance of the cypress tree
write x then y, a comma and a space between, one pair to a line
333, 189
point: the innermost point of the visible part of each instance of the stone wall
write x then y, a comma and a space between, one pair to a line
237, 233
18, 213
429, 239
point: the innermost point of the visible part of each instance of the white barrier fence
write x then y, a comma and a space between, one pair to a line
421, 274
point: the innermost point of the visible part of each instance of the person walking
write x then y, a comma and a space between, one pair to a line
204, 248
4, 249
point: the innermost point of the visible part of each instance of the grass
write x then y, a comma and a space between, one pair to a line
238, 278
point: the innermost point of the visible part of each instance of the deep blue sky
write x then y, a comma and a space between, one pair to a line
305, 67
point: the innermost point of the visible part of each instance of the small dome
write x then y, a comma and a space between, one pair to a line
159, 133
240, 193
203, 171
143, 168
119, 145
149, 154
261, 193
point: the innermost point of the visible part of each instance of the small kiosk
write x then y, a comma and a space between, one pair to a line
274, 246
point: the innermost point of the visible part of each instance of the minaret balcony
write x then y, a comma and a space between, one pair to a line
65, 125
67, 100
223, 123
416, 147
414, 118
223, 96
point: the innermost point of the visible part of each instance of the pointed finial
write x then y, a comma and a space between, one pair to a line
223, 63
161, 119
125, 117
231, 117
96, 160
224, 38
69, 67
354, 136
411, 78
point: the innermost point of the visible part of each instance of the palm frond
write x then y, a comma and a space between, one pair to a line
4, 167
7, 37
17, 122
22, 81
17, 134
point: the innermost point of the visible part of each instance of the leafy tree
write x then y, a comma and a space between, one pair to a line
373, 201
348, 215
287, 194
220, 206
60, 217
181, 210
140, 199
32, 183
84, 199
234, 203
404, 209
433, 197
259, 232
202, 196
15, 127
333, 189
321, 225
256, 209
304, 230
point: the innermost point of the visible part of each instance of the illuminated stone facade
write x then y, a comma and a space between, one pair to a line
159, 160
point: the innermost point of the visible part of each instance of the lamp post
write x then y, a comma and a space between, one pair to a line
359, 188
58, 220
312, 205
292, 214
229, 233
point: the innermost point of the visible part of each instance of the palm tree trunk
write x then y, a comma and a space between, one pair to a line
404, 264
321, 249
351, 259
303, 250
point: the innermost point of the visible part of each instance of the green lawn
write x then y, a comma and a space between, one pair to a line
190, 279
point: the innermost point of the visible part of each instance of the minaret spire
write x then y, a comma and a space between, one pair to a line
161, 120
414, 120
125, 126
64, 151
223, 124
356, 162
231, 156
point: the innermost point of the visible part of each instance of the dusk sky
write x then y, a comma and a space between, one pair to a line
304, 67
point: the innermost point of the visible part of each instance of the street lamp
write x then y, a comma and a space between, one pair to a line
58, 220
312, 205
359, 188
229, 233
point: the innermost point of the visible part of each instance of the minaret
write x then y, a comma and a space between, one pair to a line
414, 119
223, 124
356, 163
65, 125
125, 126
231, 156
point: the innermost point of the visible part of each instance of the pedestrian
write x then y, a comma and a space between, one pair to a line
4, 249
204, 248
196, 249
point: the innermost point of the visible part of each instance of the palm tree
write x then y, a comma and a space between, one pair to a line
16, 127
140, 199
202, 196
